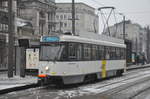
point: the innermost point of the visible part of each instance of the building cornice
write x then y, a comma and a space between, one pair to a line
77, 4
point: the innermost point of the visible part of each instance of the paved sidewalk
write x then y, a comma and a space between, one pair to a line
138, 66
15, 82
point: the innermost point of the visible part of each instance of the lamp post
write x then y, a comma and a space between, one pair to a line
124, 37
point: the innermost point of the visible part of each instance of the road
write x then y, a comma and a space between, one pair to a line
132, 85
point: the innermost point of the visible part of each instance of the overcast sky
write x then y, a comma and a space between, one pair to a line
138, 11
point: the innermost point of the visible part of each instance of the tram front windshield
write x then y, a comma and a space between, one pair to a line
51, 52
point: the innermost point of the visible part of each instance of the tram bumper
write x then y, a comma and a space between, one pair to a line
47, 79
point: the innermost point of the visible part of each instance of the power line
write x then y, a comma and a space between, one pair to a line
94, 1
98, 2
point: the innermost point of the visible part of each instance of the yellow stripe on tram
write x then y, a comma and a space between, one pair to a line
103, 69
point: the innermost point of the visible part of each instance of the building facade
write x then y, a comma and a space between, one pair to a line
40, 14
32, 19
3, 34
133, 32
85, 18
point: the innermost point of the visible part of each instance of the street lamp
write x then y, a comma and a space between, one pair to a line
123, 25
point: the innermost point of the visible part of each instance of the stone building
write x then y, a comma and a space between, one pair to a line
3, 33
32, 19
86, 19
39, 16
133, 32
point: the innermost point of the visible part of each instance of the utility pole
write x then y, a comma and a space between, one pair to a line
124, 35
124, 26
11, 39
136, 47
73, 17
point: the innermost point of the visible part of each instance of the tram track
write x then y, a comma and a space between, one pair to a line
124, 85
100, 84
114, 85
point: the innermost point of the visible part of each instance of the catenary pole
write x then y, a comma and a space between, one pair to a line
11, 39
148, 44
73, 17
124, 35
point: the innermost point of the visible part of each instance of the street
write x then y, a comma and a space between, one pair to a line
132, 85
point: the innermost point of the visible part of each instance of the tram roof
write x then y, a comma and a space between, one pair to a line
69, 38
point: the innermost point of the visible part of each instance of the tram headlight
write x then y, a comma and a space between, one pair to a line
46, 68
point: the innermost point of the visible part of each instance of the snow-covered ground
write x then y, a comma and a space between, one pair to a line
104, 86
16, 81
129, 78
90, 91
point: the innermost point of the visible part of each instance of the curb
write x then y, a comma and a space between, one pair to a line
18, 88
137, 67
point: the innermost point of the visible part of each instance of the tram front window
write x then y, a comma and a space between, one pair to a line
51, 52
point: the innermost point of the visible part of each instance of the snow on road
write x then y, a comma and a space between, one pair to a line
84, 90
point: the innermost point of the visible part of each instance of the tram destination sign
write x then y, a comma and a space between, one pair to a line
50, 39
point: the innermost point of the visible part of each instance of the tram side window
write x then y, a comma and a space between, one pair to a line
107, 53
118, 53
101, 53
72, 49
97, 53
122, 53
79, 52
94, 50
112, 53
86, 52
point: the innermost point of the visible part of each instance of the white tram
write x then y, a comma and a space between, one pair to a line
71, 59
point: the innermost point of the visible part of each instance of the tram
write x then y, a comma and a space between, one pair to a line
68, 59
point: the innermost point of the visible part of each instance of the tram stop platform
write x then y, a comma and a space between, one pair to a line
15, 83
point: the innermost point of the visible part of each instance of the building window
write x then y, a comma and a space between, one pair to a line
65, 17
57, 16
77, 17
61, 17
69, 17
61, 24
0, 4
65, 24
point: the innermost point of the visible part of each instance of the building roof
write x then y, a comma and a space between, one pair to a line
77, 4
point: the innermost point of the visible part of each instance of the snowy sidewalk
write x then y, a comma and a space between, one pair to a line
15, 82
138, 66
